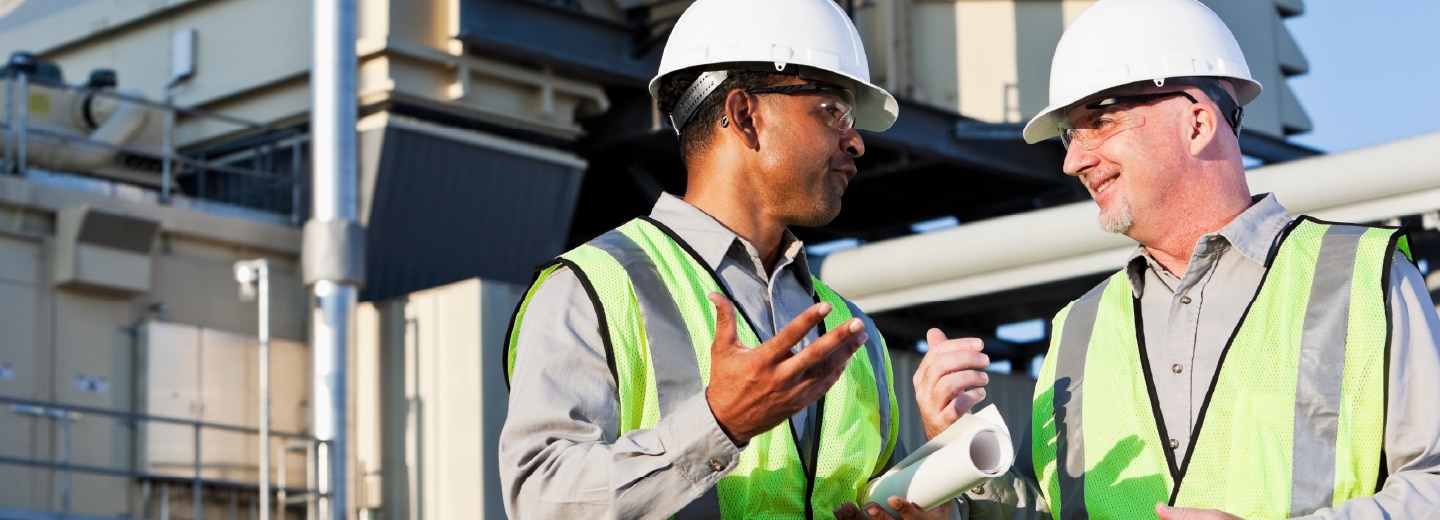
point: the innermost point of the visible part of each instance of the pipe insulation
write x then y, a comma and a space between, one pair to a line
1063, 242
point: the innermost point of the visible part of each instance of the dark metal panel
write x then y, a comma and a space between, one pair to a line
934, 131
1272, 149
568, 39
440, 211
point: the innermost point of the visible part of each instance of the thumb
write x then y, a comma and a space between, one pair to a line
724, 321
935, 337
1165, 512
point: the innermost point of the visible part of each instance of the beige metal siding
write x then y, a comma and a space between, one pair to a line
24, 364
199, 374
428, 436
93, 367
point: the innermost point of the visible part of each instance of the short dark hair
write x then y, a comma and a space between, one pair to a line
696, 133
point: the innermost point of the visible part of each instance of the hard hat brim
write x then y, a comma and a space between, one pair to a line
875, 109
1047, 123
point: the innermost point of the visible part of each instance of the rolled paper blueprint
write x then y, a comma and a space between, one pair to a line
976, 448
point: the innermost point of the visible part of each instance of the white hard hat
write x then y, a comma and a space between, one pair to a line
811, 33
1117, 42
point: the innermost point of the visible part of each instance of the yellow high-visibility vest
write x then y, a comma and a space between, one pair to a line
649, 291
1294, 418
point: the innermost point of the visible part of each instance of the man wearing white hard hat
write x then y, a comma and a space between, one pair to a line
687, 364
1244, 363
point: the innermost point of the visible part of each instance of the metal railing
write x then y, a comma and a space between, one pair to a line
253, 166
67, 413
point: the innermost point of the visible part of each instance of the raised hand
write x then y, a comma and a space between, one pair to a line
950, 380
753, 390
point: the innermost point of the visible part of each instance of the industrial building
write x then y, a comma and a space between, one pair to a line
150, 146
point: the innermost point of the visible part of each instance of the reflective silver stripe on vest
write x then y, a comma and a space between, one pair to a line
664, 326
1067, 400
670, 344
1317, 390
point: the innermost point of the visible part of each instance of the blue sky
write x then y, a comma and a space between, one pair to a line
1374, 71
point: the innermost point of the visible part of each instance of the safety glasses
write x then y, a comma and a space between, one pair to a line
1104, 126
836, 105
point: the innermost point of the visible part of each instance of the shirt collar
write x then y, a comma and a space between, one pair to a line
1252, 233
712, 241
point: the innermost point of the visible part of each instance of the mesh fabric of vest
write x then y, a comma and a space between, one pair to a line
770, 481
1241, 460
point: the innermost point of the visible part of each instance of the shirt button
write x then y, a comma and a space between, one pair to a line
1177, 368
979, 490
1174, 444
1185, 300
716, 465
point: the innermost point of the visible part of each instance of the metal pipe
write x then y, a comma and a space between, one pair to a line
335, 302
145, 498
1062, 242
165, 502
310, 498
334, 182
64, 418
262, 267
166, 142
195, 479
23, 124
254, 277
295, 182
10, 131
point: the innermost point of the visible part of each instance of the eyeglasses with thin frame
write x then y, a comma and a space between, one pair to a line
1106, 126
838, 104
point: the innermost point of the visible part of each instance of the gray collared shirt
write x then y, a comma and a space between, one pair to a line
560, 452
1189, 319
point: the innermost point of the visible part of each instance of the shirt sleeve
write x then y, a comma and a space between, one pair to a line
1012, 496
1412, 421
560, 453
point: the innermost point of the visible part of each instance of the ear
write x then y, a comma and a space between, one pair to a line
1202, 124
743, 112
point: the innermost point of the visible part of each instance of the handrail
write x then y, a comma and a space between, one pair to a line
263, 187
67, 412
133, 416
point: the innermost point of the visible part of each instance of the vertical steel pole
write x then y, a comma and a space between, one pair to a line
167, 131
331, 266
195, 480
64, 417
10, 131
263, 267
23, 125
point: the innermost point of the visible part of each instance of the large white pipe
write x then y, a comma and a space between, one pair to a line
1375, 183
330, 264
